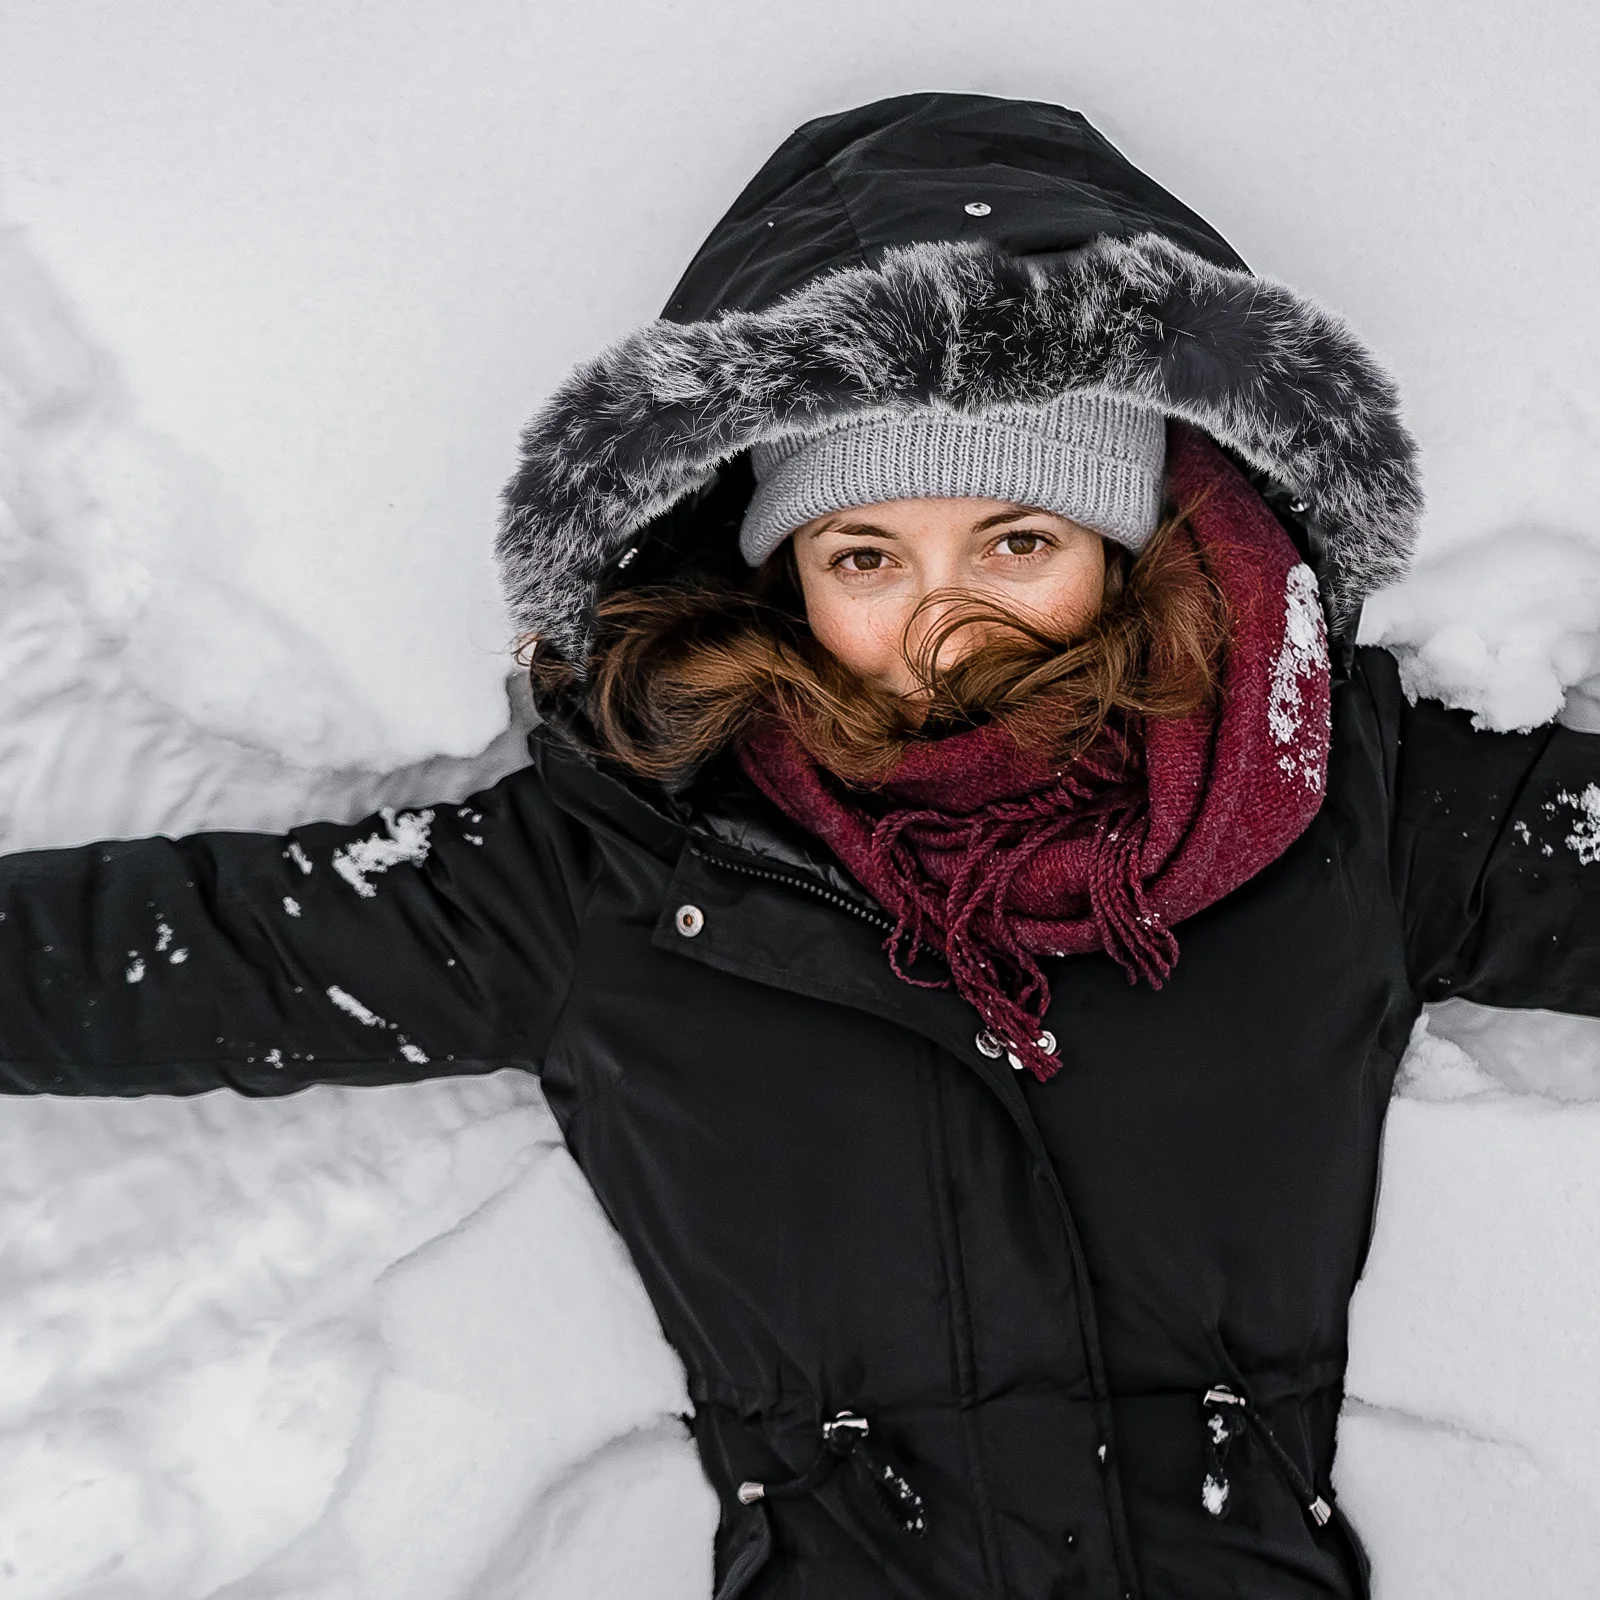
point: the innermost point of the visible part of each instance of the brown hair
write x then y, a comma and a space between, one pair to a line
680, 670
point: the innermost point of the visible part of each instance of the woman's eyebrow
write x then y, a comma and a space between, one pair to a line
1017, 515
855, 530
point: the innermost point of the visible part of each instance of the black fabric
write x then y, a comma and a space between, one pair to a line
836, 1200
842, 189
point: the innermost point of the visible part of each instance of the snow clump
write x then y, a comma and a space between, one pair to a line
407, 841
1303, 651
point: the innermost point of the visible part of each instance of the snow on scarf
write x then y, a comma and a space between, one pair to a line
990, 857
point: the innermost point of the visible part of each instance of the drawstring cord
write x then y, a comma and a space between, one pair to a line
845, 1438
1227, 1416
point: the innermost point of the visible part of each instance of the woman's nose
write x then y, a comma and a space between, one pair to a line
935, 609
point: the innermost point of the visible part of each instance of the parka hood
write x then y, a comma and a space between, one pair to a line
963, 251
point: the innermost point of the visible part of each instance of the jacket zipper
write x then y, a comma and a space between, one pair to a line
796, 881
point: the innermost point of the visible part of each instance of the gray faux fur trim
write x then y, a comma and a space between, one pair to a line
1254, 363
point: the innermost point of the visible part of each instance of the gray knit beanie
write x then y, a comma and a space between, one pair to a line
1092, 459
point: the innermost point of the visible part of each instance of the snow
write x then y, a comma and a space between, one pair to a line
1503, 627
1303, 650
349, 1003
1475, 1365
407, 841
277, 287
1584, 840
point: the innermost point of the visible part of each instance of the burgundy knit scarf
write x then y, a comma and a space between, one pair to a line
990, 858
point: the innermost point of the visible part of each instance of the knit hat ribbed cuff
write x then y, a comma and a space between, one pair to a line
1092, 459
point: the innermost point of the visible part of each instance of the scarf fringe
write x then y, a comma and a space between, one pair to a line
965, 922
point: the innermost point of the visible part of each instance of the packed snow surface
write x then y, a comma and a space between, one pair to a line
279, 285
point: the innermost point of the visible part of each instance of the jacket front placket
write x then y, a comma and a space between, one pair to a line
774, 924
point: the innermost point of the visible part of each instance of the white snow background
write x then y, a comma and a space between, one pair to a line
277, 286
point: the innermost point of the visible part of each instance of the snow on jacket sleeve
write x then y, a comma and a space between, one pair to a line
408, 945
1495, 851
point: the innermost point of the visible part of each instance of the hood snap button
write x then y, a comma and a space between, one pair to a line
977, 208
689, 920
989, 1045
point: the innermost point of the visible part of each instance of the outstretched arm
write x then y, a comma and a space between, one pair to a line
1495, 852
407, 945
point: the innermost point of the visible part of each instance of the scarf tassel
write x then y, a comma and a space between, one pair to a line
991, 970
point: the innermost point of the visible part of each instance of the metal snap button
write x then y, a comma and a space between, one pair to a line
689, 920
977, 208
749, 1492
989, 1045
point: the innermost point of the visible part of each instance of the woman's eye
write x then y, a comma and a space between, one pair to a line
1022, 544
860, 560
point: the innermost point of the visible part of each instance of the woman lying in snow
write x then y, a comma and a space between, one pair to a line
964, 914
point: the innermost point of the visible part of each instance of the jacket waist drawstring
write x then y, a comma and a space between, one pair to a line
1228, 1416
846, 1438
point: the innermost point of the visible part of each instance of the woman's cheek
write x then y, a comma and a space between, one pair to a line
860, 632
1074, 597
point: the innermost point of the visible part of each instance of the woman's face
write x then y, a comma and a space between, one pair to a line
864, 571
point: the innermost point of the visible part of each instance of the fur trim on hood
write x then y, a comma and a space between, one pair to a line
1256, 364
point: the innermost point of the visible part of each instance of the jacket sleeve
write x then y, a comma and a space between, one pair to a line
408, 945
1494, 850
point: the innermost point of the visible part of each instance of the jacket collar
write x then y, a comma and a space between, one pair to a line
722, 814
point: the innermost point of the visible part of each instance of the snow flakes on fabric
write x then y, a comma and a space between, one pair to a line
347, 1002
1297, 666
407, 841
299, 857
135, 968
291, 905
1584, 840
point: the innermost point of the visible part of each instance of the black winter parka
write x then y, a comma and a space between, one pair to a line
951, 1334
